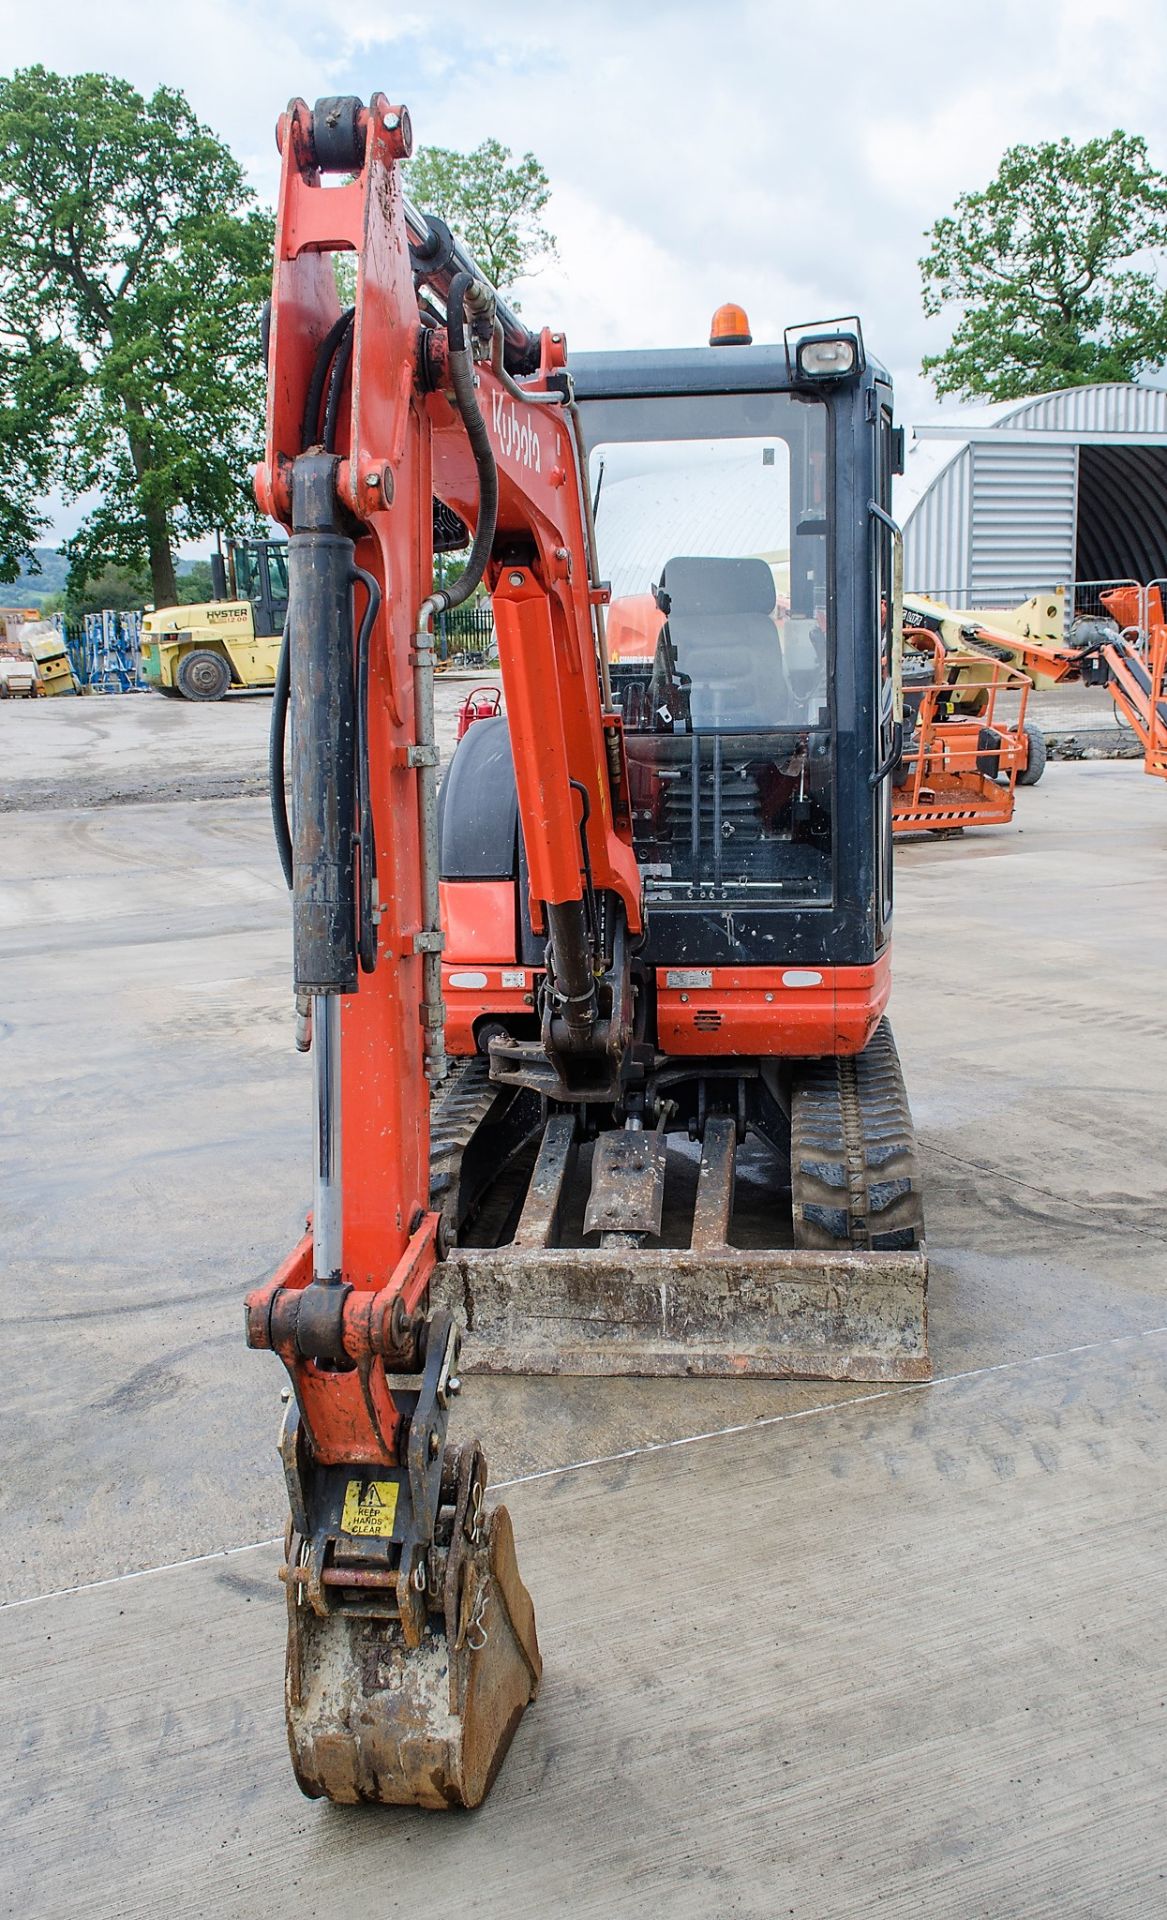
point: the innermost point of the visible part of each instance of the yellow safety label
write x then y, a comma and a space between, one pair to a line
370, 1507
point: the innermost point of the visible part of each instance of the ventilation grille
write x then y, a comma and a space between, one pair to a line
707, 1021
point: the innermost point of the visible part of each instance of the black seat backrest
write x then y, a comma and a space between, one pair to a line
723, 640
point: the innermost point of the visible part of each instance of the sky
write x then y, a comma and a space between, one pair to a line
788, 156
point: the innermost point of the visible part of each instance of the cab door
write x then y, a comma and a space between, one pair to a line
888, 462
273, 559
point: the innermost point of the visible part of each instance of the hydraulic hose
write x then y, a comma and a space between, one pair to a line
340, 360
505, 380
462, 375
309, 429
437, 258
277, 734
367, 929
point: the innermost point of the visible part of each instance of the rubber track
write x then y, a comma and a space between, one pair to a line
854, 1171
455, 1117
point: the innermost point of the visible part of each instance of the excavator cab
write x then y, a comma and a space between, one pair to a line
737, 508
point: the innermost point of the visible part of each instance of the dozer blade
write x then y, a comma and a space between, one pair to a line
783, 1313
371, 1718
848, 1301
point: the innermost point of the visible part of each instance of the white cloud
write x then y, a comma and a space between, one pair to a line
786, 156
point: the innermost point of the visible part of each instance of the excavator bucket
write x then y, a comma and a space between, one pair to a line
373, 1718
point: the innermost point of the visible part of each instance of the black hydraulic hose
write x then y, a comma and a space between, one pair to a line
309, 429
277, 733
340, 360
462, 375
333, 355
367, 927
438, 258
585, 853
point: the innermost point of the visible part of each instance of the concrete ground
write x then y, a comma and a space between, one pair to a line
810, 1650
99, 752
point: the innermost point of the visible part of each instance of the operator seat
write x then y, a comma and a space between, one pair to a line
723, 642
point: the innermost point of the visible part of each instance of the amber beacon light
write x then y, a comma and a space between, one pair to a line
730, 327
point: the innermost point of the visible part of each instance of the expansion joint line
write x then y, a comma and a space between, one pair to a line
894, 1392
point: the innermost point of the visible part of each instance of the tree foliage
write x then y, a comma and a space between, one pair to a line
133, 264
492, 206
38, 384
1052, 265
196, 585
125, 589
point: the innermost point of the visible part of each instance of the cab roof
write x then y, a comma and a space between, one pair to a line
664, 370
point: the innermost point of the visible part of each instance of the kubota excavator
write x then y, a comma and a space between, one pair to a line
645, 930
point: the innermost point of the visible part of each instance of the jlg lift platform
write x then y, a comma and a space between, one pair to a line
958, 768
643, 936
1125, 651
1133, 665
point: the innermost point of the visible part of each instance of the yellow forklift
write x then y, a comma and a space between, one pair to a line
233, 640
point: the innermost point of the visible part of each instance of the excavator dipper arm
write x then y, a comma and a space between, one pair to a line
411, 1648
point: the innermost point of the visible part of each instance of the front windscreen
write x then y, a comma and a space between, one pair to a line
711, 522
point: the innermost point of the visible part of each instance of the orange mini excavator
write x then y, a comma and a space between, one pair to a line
643, 935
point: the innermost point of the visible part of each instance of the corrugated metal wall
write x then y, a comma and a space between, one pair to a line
1000, 519
1024, 502
1122, 512
936, 535
1109, 408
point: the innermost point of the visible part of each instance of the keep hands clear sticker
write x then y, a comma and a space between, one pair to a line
370, 1508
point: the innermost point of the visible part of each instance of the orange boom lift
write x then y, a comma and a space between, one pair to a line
650, 917
1133, 664
971, 648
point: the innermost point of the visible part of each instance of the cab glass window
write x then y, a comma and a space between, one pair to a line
716, 541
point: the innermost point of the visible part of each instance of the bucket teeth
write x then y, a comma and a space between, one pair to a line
372, 1719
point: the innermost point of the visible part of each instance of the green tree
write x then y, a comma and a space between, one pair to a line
491, 205
1052, 266
125, 589
38, 384
133, 264
196, 585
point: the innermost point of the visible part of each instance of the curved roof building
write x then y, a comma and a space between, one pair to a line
1003, 501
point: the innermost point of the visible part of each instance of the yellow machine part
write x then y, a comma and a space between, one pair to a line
53, 670
1041, 618
223, 627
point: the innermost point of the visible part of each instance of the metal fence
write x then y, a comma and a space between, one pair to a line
465, 637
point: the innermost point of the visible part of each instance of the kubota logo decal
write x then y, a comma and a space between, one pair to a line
516, 433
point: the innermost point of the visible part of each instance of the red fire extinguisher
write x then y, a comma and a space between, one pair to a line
483, 703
